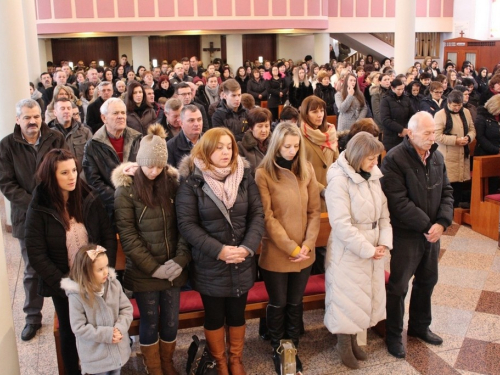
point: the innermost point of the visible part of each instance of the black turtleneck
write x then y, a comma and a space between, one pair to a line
283, 163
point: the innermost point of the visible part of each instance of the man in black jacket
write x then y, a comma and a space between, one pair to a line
20, 154
420, 200
94, 120
182, 144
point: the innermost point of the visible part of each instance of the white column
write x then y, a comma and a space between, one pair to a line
234, 48
31, 40
42, 55
140, 52
11, 24
321, 48
404, 37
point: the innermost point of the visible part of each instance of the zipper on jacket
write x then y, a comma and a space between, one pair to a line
165, 234
142, 213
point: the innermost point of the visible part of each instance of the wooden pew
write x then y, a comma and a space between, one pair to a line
484, 208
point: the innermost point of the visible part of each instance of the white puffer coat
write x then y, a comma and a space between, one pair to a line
354, 281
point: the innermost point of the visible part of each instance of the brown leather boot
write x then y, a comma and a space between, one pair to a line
217, 346
344, 347
167, 354
359, 353
236, 341
151, 358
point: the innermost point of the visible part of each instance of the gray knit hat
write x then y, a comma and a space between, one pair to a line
153, 149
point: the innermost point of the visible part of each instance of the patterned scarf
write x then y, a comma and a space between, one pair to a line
449, 125
326, 141
223, 183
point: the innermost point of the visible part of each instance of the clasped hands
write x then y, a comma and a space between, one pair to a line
233, 254
170, 270
301, 256
379, 252
117, 336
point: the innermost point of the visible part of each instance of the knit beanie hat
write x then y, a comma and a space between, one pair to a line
153, 149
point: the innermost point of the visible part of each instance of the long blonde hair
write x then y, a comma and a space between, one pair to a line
299, 165
82, 273
68, 90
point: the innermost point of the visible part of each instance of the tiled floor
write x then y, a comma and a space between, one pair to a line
466, 313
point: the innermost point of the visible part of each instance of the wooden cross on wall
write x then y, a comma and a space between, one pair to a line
211, 49
461, 34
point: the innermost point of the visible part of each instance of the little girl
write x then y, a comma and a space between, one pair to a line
100, 312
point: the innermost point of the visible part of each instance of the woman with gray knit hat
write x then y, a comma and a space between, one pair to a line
156, 253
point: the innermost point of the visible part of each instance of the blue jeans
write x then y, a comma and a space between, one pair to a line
163, 305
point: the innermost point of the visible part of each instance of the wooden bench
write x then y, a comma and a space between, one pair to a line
191, 308
485, 208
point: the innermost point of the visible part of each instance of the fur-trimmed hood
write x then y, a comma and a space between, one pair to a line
185, 169
120, 178
71, 287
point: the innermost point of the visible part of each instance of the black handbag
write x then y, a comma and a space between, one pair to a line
200, 361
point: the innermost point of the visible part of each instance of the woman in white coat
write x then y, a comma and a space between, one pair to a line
361, 234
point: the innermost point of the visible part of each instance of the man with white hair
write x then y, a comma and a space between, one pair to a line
420, 200
114, 143
180, 75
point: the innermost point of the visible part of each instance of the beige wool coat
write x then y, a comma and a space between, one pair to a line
292, 218
457, 166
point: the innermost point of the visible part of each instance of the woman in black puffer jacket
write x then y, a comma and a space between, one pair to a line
325, 91
219, 212
64, 214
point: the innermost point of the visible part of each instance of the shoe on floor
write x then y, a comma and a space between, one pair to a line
428, 336
29, 331
396, 349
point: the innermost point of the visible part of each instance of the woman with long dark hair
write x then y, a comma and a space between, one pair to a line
256, 87
64, 214
156, 254
140, 113
350, 102
276, 91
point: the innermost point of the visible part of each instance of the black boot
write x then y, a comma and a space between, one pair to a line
263, 333
293, 325
275, 317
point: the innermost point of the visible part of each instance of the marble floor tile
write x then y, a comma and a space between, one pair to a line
481, 357
475, 246
399, 367
466, 232
467, 260
496, 264
452, 229
450, 342
449, 356
457, 297
489, 303
451, 275
492, 282
425, 361
451, 321
485, 327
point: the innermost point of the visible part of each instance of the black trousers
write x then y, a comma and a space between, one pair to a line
68, 341
411, 255
224, 310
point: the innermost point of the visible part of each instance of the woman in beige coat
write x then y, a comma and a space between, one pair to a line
320, 140
454, 132
283, 177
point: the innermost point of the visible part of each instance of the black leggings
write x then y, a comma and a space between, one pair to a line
68, 341
224, 310
286, 287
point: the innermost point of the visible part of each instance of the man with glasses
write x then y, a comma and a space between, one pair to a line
434, 102
184, 92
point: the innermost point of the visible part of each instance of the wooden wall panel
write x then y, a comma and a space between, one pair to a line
174, 47
86, 49
255, 45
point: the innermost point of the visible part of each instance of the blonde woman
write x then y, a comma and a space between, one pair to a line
300, 88
61, 91
288, 255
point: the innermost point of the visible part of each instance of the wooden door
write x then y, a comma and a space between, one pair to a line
255, 45
86, 49
173, 47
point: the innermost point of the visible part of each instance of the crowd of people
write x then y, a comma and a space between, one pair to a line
195, 174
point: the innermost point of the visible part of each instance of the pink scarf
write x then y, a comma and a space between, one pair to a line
223, 183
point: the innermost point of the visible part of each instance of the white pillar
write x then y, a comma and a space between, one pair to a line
321, 48
42, 55
404, 37
140, 52
11, 24
31, 40
234, 48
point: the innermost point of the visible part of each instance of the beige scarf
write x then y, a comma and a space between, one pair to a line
326, 141
223, 183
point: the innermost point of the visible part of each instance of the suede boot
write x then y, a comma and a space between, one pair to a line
167, 354
236, 343
217, 346
357, 351
344, 347
151, 358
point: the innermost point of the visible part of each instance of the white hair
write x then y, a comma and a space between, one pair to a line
417, 118
105, 105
